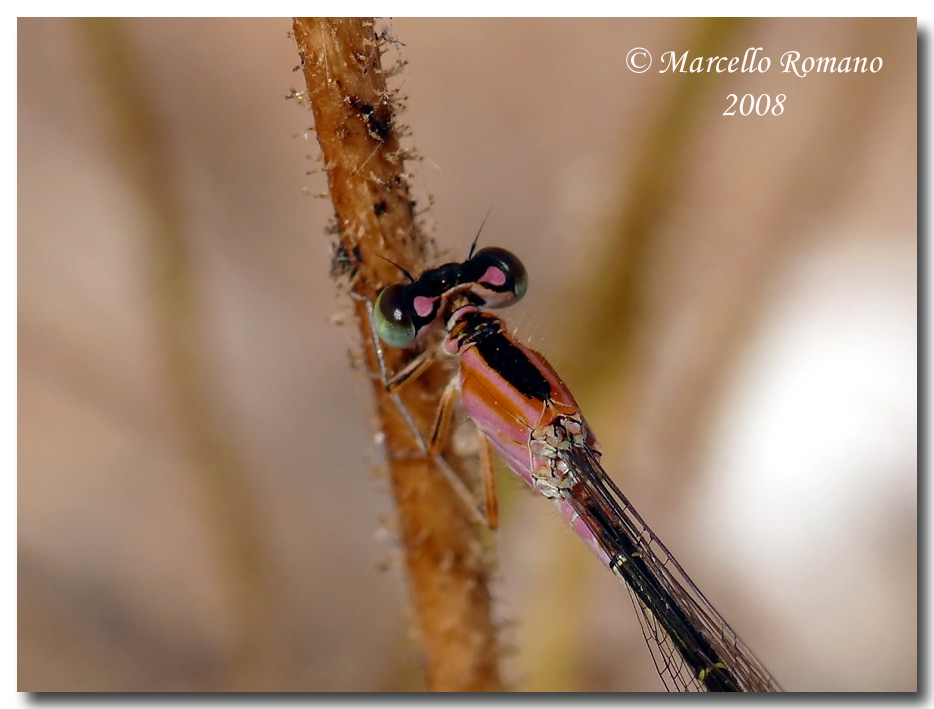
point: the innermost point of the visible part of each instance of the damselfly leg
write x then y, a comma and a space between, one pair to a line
434, 444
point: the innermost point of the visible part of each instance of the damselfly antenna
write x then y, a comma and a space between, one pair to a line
407, 274
473, 246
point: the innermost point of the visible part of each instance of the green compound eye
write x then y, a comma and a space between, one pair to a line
393, 317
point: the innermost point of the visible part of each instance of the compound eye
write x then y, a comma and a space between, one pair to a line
502, 278
393, 317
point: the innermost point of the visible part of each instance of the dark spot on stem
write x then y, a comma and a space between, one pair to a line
378, 119
379, 122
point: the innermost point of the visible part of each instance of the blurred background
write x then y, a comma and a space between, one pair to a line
733, 301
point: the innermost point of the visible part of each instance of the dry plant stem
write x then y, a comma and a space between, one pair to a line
354, 121
231, 510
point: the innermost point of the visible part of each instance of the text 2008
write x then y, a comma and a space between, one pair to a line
760, 106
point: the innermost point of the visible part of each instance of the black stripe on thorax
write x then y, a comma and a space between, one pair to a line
484, 331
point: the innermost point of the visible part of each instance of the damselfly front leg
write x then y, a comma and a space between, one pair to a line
439, 436
492, 277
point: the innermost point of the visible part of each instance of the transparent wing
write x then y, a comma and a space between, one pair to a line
693, 647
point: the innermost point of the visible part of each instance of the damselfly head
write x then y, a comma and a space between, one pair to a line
491, 278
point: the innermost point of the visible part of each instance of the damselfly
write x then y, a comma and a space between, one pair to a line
520, 404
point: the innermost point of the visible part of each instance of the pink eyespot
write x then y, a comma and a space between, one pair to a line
494, 276
423, 306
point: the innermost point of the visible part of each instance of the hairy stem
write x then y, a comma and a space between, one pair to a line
354, 118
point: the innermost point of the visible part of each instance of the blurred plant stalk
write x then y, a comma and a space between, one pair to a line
235, 519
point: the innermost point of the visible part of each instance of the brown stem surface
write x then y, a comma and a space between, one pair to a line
355, 122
